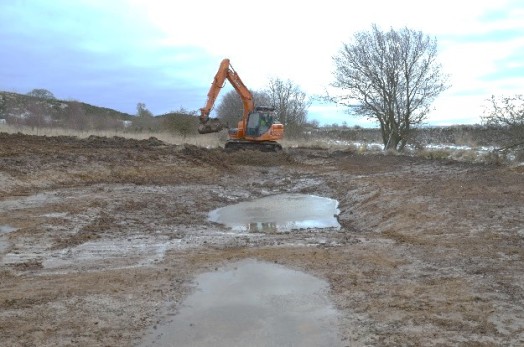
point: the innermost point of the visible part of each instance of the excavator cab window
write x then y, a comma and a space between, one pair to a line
253, 124
258, 123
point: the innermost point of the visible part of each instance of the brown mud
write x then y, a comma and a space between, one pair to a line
102, 237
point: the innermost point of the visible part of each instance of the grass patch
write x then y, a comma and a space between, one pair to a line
207, 140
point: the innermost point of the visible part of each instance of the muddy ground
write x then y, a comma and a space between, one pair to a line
100, 239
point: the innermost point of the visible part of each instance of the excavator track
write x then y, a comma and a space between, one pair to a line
264, 146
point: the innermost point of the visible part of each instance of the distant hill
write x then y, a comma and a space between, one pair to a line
25, 110
20, 109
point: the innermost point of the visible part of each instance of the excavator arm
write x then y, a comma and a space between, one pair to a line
225, 71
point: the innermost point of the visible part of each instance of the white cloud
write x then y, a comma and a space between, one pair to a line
297, 41
185, 41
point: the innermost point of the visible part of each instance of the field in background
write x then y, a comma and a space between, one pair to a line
51, 117
461, 143
207, 140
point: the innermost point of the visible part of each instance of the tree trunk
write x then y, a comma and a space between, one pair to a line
391, 139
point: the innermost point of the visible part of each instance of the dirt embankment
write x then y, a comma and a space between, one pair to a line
100, 236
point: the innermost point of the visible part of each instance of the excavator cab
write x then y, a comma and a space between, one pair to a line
259, 121
258, 130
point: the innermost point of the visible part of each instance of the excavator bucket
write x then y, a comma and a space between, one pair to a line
213, 125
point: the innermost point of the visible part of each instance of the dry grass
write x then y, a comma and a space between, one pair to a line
207, 140
216, 140
213, 140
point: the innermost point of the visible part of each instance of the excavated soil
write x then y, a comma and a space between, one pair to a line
101, 238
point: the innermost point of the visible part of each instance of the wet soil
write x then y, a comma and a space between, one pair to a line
252, 303
106, 234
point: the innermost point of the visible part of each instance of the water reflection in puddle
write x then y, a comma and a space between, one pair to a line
252, 303
4, 229
279, 213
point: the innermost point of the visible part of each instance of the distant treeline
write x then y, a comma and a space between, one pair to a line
470, 135
33, 111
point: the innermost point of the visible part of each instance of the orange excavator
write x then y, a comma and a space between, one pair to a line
257, 129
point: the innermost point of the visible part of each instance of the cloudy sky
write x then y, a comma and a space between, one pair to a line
165, 53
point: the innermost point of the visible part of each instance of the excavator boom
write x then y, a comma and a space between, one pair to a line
225, 71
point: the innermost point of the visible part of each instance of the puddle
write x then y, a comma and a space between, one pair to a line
279, 213
4, 229
4, 244
28, 201
252, 303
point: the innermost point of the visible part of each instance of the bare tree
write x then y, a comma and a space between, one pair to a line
182, 121
37, 114
290, 104
144, 118
289, 100
392, 77
506, 114
75, 116
230, 108
142, 111
41, 93
3, 107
